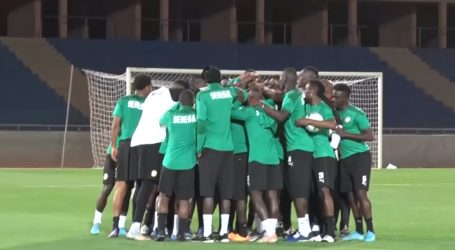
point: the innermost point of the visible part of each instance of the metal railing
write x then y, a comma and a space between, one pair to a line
342, 30
83, 128
419, 131
87, 26
43, 127
428, 37
179, 30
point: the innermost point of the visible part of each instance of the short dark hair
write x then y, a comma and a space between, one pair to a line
212, 75
343, 88
312, 69
183, 83
186, 98
141, 81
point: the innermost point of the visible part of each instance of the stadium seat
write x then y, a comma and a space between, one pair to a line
404, 104
25, 99
441, 60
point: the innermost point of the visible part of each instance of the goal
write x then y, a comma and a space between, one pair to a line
105, 89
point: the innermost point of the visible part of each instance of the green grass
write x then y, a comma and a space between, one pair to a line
52, 209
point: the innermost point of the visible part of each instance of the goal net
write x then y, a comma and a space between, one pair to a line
105, 89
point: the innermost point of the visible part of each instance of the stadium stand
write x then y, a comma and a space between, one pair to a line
400, 94
25, 99
441, 60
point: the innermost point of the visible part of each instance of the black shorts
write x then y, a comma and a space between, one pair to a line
149, 162
180, 182
109, 171
240, 173
325, 172
216, 171
355, 172
126, 162
299, 174
263, 177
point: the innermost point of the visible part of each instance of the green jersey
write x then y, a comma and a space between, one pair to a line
181, 147
239, 137
129, 110
321, 137
213, 109
354, 121
279, 147
163, 145
259, 128
296, 138
238, 129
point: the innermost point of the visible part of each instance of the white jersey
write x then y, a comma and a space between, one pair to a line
148, 130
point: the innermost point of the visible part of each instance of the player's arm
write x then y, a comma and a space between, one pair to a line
279, 115
275, 95
362, 122
166, 118
116, 125
365, 135
328, 121
320, 124
115, 132
240, 114
201, 114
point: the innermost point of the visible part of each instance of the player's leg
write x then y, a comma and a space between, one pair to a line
148, 166
162, 216
172, 218
166, 188
225, 182
274, 184
346, 186
124, 212
285, 209
258, 185
121, 184
361, 185
232, 215
149, 216
209, 163
239, 198
198, 205
299, 184
108, 185
344, 215
184, 192
251, 214
315, 207
326, 175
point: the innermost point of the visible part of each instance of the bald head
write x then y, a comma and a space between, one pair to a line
328, 85
307, 74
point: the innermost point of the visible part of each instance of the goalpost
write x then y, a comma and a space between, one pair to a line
105, 89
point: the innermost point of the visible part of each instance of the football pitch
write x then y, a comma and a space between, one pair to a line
47, 209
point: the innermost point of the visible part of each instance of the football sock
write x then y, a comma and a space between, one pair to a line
176, 225
98, 217
359, 225
369, 223
115, 222
122, 221
304, 225
207, 224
